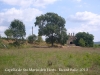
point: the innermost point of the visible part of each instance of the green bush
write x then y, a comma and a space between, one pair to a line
13, 45
88, 38
1, 46
96, 46
32, 38
82, 42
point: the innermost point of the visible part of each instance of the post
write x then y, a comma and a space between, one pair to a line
0, 36
32, 30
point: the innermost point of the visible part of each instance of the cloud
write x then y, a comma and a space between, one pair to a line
77, 0
26, 15
83, 17
28, 3
43, 3
89, 22
2, 29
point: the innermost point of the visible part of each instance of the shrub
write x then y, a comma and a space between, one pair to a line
32, 38
87, 38
82, 42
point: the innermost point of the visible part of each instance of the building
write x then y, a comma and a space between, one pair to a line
71, 39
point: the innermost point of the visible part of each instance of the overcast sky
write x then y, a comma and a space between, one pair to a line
80, 15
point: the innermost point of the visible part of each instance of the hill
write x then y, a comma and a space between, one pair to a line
96, 42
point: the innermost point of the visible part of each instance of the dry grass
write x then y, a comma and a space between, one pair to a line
50, 58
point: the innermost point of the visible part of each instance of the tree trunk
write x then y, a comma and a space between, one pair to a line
52, 40
52, 43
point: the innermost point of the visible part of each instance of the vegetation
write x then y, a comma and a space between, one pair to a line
86, 60
1, 46
39, 39
84, 39
8, 33
82, 42
32, 38
18, 29
96, 42
44, 60
96, 46
51, 25
62, 37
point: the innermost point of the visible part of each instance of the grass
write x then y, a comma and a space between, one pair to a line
47, 61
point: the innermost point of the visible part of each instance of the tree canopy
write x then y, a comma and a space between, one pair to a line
50, 25
84, 39
8, 33
18, 29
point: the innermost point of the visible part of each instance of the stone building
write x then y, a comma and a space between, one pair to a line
71, 39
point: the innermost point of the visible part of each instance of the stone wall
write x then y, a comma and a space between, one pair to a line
71, 39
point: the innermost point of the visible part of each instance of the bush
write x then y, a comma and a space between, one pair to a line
96, 46
82, 42
16, 44
32, 38
87, 38
1, 46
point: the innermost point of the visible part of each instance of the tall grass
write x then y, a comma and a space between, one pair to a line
86, 60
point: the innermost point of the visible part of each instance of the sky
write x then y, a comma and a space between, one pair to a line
80, 15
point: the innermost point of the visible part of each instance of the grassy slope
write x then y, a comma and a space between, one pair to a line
37, 58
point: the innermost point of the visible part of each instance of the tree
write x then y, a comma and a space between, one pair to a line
8, 33
32, 38
82, 42
50, 25
62, 37
18, 29
88, 39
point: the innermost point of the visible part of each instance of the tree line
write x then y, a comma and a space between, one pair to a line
50, 25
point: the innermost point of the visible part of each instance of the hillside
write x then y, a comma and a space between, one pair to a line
96, 42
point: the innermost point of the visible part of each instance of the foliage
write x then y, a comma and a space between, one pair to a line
8, 33
50, 25
18, 29
62, 37
96, 45
81, 42
39, 39
1, 46
87, 38
32, 38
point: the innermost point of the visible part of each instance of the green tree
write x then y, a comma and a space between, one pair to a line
18, 29
8, 33
82, 42
62, 36
50, 25
32, 38
88, 38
